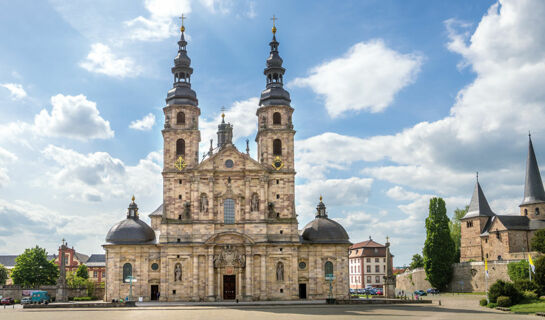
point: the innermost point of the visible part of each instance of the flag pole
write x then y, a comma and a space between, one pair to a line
529, 267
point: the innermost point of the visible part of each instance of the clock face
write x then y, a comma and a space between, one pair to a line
277, 163
180, 163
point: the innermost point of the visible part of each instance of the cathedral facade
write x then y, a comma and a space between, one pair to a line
227, 227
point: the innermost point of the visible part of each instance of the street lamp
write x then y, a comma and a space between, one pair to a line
130, 280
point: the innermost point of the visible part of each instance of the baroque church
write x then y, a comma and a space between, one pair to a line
227, 227
486, 235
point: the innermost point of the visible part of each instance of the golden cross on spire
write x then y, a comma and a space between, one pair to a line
274, 18
223, 111
182, 28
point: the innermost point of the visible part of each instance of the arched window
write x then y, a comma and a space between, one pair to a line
328, 267
525, 212
127, 271
229, 211
277, 118
277, 147
180, 147
537, 211
180, 118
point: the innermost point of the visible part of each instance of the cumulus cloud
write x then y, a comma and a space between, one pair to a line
366, 78
15, 89
5, 158
73, 117
101, 60
144, 124
159, 25
98, 176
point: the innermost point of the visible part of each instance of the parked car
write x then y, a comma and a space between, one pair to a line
352, 291
432, 291
26, 300
379, 291
360, 291
371, 291
40, 297
420, 293
8, 301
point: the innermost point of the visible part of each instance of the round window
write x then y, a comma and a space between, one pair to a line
154, 266
302, 265
229, 163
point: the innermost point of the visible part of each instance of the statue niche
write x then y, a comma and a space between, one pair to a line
187, 210
204, 203
280, 271
270, 211
254, 203
178, 272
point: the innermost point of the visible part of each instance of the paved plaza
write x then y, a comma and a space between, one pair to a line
452, 307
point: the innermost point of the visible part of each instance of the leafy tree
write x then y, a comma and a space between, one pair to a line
33, 269
455, 230
439, 248
83, 272
417, 262
74, 281
4, 275
539, 277
518, 270
538, 241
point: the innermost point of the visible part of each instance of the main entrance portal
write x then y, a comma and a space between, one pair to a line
229, 287
154, 292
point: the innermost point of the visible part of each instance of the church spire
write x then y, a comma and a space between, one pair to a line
533, 186
181, 93
225, 131
274, 93
478, 207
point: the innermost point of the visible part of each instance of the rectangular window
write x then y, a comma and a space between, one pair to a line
368, 259
229, 211
377, 279
368, 268
376, 260
377, 268
95, 274
368, 279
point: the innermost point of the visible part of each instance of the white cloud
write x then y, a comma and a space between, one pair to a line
15, 89
159, 25
5, 158
98, 176
72, 117
144, 124
101, 60
366, 78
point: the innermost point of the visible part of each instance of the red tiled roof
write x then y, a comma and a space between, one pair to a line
367, 244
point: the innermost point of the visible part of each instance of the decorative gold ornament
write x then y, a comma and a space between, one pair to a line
180, 163
277, 163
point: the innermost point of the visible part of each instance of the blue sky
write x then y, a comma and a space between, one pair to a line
395, 102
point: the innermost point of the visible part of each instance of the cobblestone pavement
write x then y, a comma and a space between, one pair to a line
452, 307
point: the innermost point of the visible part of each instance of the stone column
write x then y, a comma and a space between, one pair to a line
211, 206
264, 294
294, 278
194, 198
263, 199
211, 274
195, 277
248, 270
320, 278
247, 199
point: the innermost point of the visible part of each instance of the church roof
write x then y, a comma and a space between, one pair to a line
324, 230
478, 207
181, 92
157, 212
512, 222
274, 93
132, 230
533, 186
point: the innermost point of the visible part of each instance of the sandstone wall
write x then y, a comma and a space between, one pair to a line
16, 292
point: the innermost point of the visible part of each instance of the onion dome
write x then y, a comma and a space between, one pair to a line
324, 230
181, 93
274, 93
131, 230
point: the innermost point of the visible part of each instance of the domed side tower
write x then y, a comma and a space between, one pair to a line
324, 230
131, 230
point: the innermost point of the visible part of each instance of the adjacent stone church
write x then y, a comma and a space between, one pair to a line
487, 235
227, 228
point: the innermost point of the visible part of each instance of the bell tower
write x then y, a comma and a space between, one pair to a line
181, 134
275, 128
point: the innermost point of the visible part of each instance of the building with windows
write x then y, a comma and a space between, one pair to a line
96, 266
367, 264
227, 227
490, 236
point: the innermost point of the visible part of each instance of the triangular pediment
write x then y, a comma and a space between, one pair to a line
240, 161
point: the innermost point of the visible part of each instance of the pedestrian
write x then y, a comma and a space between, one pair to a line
158, 295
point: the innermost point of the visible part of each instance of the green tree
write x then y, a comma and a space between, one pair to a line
83, 272
416, 262
74, 281
455, 231
439, 248
538, 241
539, 277
4, 275
33, 269
518, 270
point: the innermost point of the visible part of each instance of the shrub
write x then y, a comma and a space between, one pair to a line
492, 305
16, 301
83, 298
540, 274
504, 301
518, 270
483, 302
502, 288
525, 285
530, 295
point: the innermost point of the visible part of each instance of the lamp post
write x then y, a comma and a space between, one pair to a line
330, 278
130, 280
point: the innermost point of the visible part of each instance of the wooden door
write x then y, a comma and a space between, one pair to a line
229, 287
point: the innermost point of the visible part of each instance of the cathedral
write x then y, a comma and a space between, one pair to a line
227, 228
486, 235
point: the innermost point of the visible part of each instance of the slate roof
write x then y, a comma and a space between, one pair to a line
478, 207
513, 222
8, 261
96, 260
157, 212
533, 186
81, 257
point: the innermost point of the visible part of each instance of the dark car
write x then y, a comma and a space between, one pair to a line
432, 291
420, 293
7, 301
352, 291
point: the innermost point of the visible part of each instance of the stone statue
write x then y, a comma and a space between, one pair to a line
187, 210
167, 121
270, 209
263, 122
204, 203
178, 272
254, 203
280, 271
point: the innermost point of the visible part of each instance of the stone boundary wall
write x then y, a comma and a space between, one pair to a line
16, 292
466, 277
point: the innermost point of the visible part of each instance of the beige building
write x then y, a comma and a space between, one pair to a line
367, 264
227, 228
487, 235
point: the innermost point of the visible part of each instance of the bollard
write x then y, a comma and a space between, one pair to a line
439, 302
